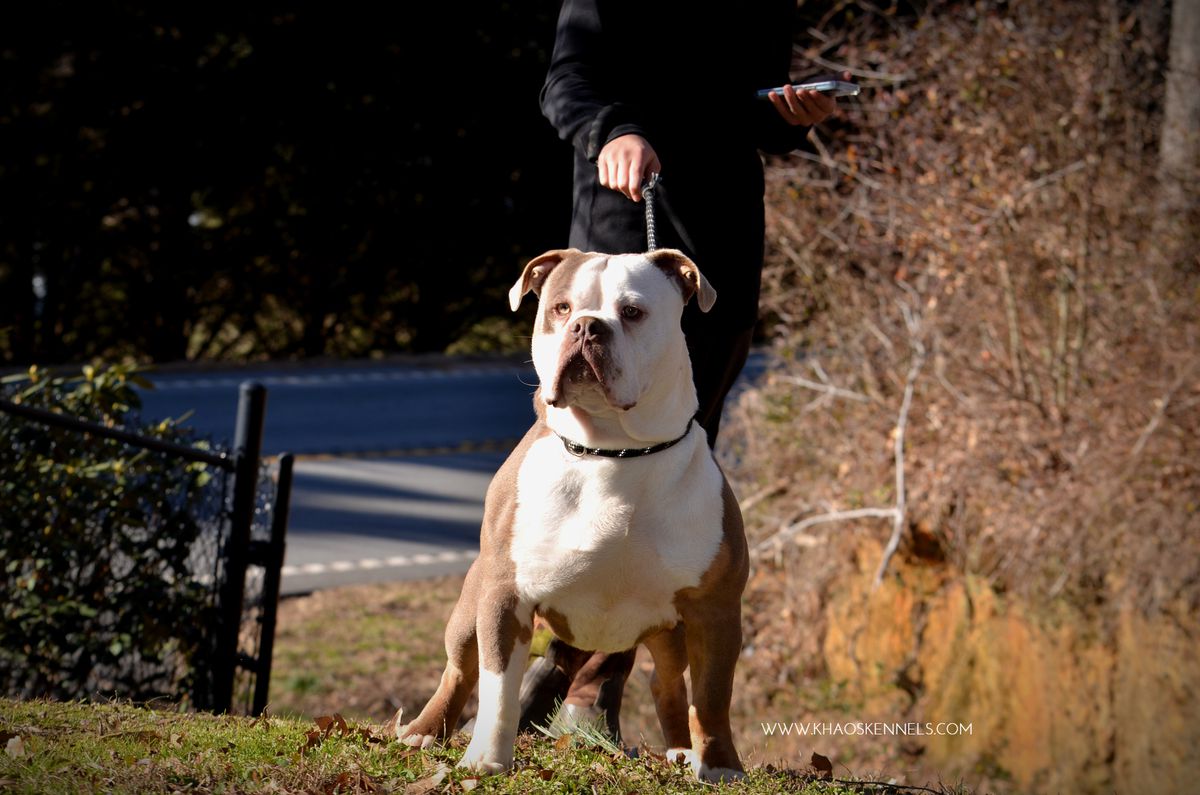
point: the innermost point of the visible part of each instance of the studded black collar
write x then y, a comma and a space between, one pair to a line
580, 450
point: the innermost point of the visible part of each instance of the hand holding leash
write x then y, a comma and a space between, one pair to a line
625, 163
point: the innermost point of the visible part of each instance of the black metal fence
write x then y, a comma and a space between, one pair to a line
236, 559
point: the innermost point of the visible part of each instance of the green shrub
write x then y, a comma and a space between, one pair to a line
100, 547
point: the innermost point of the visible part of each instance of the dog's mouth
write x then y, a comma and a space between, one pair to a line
578, 370
585, 369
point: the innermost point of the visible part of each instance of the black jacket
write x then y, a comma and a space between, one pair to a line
683, 75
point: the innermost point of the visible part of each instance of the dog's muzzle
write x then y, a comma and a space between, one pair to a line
585, 359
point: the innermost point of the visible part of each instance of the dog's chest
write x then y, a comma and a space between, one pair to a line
606, 544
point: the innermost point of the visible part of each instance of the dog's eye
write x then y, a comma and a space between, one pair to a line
562, 308
631, 313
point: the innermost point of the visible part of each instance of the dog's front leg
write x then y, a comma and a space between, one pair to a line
504, 629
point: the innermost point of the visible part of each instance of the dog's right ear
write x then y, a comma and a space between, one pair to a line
535, 273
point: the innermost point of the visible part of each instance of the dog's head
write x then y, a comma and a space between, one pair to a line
608, 325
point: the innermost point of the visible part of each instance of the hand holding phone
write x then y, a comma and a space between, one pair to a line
835, 88
802, 106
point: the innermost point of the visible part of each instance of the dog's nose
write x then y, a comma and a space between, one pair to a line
590, 328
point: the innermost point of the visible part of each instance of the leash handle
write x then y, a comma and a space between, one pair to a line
648, 198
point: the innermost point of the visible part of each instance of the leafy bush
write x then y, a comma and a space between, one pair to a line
98, 547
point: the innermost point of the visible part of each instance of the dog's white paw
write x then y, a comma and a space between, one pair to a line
482, 759
687, 756
479, 762
482, 766
414, 739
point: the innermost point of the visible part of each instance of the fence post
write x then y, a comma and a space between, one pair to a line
271, 580
247, 448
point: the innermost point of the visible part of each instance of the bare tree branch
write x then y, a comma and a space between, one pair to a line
1163, 402
828, 389
898, 512
776, 542
866, 73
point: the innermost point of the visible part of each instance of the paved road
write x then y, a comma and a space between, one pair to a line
354, 410
392, 460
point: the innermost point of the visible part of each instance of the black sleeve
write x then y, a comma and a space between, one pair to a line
776, 136
772, 133
574, 96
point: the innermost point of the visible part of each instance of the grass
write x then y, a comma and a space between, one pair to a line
67, 748
364, 651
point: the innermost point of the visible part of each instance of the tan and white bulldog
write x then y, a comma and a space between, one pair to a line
611, 520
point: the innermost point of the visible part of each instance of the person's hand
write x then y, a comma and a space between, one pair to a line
625, 163
803, 107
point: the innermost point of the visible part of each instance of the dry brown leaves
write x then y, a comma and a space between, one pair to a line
336, 726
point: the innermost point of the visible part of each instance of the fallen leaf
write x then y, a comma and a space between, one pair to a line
430, 784
469, 784
369, 737
821, 765
312, 740
15, 747
562, 743
334, 723
546, 774
396, 722
350, 782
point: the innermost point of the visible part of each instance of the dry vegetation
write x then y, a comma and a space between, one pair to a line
980, 230
981, 225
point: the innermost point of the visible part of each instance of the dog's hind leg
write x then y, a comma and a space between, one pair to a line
440, 716
669, 650
714, 641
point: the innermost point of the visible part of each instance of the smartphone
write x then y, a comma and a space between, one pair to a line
837, 88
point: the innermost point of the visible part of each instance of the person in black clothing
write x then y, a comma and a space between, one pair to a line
669, 86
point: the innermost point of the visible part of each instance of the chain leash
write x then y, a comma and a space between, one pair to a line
648, 198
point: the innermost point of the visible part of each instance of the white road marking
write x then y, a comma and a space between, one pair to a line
394, 562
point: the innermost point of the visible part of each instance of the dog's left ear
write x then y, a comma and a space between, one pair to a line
681, 269
535, 273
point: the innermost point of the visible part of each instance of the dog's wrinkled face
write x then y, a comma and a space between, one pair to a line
607, 324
